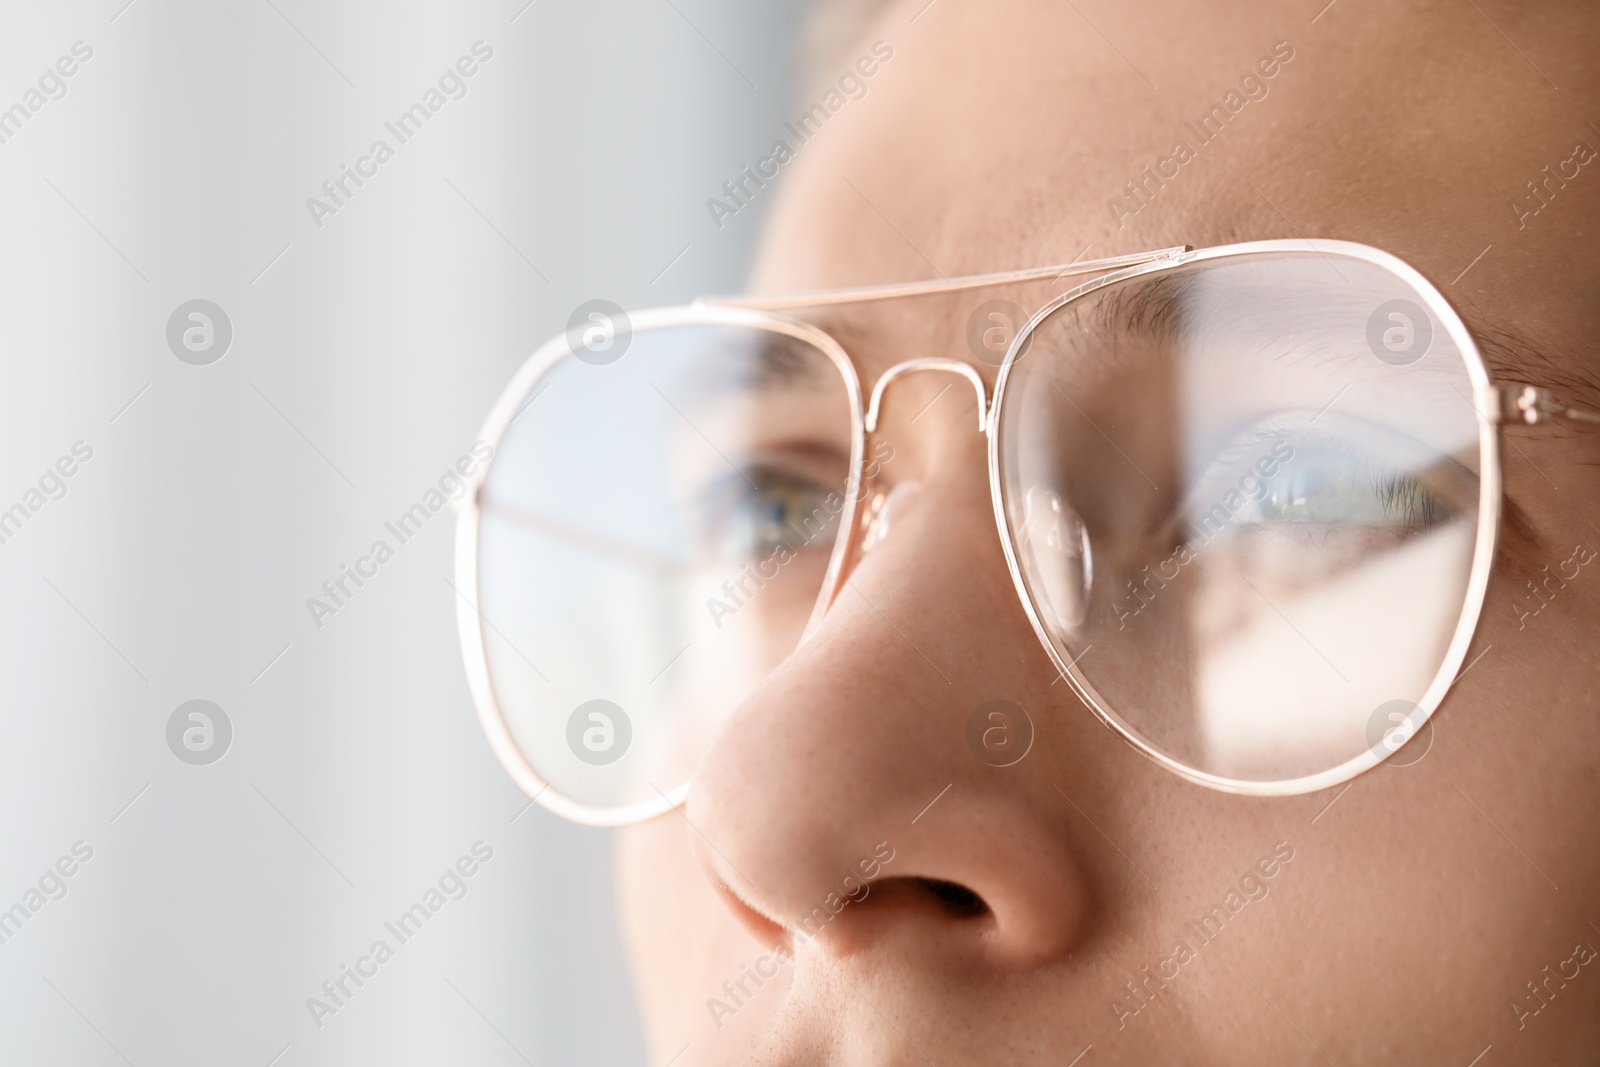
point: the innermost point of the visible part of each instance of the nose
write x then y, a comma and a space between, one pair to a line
843, 805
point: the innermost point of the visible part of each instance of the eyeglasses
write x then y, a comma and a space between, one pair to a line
1248, 495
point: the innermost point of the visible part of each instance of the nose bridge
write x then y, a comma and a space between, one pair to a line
847, 742
914, 366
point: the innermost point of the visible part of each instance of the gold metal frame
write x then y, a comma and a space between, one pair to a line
470, 621
1489, 499
1494, 404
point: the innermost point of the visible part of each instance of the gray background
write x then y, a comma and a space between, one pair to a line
177, 566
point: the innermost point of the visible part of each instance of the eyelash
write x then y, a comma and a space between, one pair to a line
721, 502
1415, 499
1399, 496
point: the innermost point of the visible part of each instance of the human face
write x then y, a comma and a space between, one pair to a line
1038, 909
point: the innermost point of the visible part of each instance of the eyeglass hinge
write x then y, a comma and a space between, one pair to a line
1531, 405
1521, 403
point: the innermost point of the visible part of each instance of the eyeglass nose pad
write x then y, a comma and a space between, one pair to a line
876, 510
882, 511
1057, 542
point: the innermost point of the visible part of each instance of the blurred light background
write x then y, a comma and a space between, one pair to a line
175, 164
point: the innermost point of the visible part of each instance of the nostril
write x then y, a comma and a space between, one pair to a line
958, 900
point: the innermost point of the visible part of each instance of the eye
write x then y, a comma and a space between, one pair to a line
1328, 484
1328, 475
753, 513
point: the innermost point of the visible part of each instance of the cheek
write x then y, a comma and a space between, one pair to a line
680, 941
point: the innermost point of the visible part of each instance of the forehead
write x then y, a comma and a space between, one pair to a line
1016, 134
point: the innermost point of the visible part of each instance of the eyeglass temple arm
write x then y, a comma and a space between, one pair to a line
826, 297
1528, 404
1534, 406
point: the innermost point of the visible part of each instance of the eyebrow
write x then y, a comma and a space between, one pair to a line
759, 359
1509, 354
786, 360
1513, 356
1155, 310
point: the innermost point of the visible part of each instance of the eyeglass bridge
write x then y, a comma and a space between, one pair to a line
913, 366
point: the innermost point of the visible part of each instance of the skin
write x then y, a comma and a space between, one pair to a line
1415, 908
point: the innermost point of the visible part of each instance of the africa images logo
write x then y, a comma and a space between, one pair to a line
1253, 86
51, 86
453, 884
599, 732
852, 85
339, 190
199, 332
199, 732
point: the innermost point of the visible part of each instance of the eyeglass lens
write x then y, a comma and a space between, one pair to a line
654, 533
1244, 497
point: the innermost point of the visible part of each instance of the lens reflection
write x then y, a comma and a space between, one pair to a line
654, 533
1280, 513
